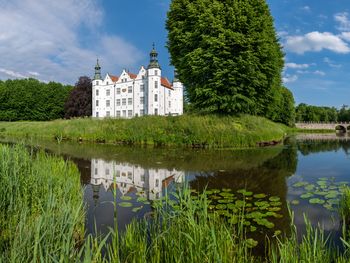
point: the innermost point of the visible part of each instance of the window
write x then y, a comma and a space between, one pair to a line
157, 182
129, 101
142, 87
169, 92
156, 84
107, 83
97, 92
107, 171
96, 171
142, 177
156, 72
108, 113
155, 97
118, 90
118, 102
118, 113
130, 89
124, 102
169, 104
124, 113
155, 111
142, 100
108, 103
96, 103
143, 76
96, 82
117, 173
96, 114
129, 113
108, 92
142, 112
130, 175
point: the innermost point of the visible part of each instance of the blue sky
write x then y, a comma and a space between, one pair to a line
59, 41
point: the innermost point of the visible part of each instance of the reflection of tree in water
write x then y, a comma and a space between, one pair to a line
307, 147
269, 178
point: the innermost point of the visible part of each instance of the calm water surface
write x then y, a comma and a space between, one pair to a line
144, 175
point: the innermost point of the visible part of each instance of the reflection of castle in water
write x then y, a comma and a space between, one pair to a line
148, 182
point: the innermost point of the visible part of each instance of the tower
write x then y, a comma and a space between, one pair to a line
97, 71
178, 95
155, 91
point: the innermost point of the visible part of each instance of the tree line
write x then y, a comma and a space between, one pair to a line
32, 100
310, 113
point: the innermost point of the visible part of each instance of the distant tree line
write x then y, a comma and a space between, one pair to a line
310, 113
32, 100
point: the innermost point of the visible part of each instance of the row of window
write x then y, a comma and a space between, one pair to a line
123, 101
124, 112
142, 89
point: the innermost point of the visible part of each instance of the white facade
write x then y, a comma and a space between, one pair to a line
130, 95
148, 182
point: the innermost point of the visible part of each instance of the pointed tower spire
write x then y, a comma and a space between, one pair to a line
153, 59
97, 71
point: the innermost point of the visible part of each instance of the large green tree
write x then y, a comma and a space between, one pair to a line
226, 53
30, 99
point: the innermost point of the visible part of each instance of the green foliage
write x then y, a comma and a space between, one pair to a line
282, 108
41, 203
186, 130
29, 99
228, 56
309, 113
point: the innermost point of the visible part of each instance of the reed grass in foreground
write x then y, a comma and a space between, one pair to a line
41, 204
188, 130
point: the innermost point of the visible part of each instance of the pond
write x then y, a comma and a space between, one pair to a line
307, 174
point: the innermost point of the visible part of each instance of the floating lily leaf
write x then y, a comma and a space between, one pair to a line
255, 215
274, 209
331, 194
306, 196
241, 191
295, 202
136, 209
211, 207
328, 206
251, 243
208, 192
309, 187
246, 223
261, 203
300, 184
225, 201
141, 199
316, 201
252, 228
247, 193
274, 198
226, 190
277, 233
215, 191
322, 193
240, 203
333, 201
216, 197
321, 183
264, 222
275, 203
259, 196
323, 178
220, 206
233, 220
226, 194
222, 212
126, 198
232, 207
125, 204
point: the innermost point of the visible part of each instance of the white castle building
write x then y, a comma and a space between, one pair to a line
130, 95
150, 183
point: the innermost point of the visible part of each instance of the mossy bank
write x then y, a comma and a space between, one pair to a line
187, 130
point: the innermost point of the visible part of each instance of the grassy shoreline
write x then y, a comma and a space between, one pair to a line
187, 130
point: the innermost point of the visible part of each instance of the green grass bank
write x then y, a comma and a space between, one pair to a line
186, 130
41, 202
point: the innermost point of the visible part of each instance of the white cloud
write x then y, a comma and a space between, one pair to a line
343, 20
289, 78
306, 8
296, 66
319, 72
345, 36
12, 73
42, 39
316, 41
331, 63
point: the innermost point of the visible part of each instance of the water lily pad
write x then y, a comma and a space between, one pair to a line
215, 191
208, 192
300, 184
322, 193
333, 201
240, 203
328, 206
126, 198
233, 220
331, 194
226, 190
321, 183
295, 202
277, 233
259, 196
136, 209
252, 228
226, 194
211, 207
274, 198
316, 201
221, 206
264, 222
225, 201
323, 178
306, 195
275, 203
125, 204
274, 209
141, 199
309, 187
251, 243
248, 194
